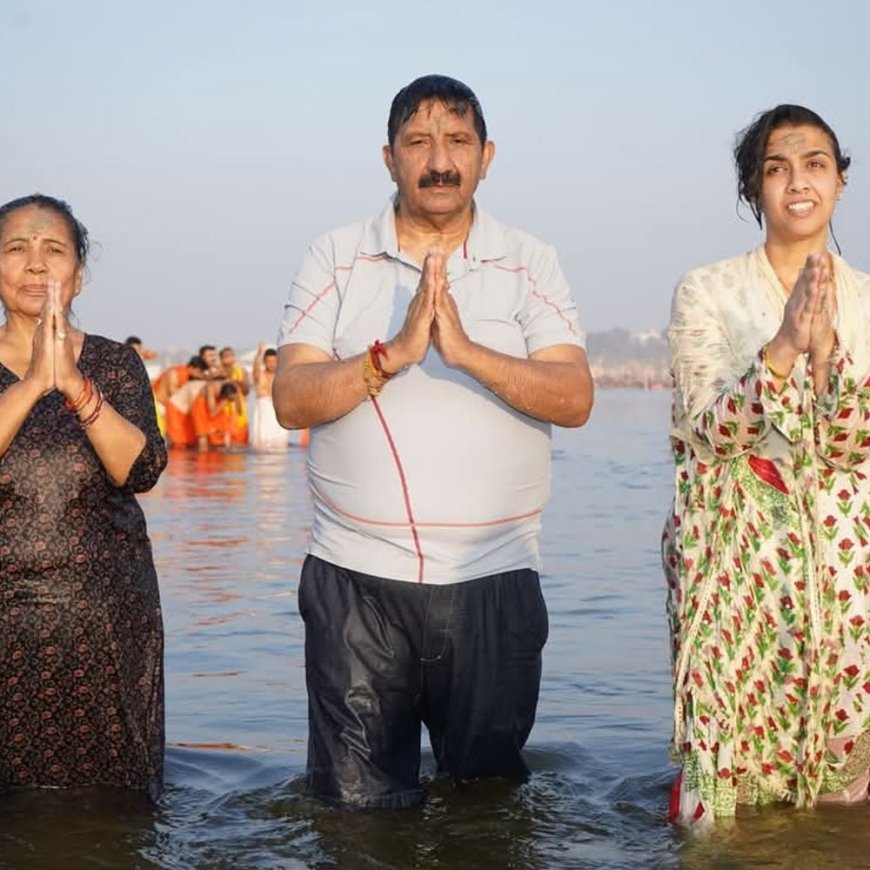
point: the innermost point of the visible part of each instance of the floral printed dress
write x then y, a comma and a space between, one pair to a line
767, 549
81, 635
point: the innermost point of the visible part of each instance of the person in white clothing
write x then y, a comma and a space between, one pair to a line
429, 349
266, 432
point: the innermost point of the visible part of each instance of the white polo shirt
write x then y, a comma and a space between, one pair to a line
436, 480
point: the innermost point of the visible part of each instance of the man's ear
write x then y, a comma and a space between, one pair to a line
387, 154
488, 154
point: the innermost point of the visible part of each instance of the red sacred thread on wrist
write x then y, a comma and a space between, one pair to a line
378, 350
83, 398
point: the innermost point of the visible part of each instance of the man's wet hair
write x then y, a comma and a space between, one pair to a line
451, 92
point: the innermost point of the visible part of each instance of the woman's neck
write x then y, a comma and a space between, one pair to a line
19, 329
788, 258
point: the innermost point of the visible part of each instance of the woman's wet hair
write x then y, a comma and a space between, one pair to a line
451, 92
77, 230
752, 142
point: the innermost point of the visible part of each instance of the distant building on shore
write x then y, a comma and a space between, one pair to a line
619, 358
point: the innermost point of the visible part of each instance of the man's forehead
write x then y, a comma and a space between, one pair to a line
437, 110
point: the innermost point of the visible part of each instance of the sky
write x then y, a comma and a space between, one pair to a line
206, 144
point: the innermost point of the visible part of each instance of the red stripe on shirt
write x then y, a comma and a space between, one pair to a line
405, 494
535, 292
402, 480
368, 258
307, 311
482, 524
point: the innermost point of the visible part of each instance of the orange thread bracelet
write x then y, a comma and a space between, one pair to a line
374, 380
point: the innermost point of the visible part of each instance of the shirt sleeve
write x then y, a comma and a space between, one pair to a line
843, 415
312, 307
129, 393
548, 315
728, 407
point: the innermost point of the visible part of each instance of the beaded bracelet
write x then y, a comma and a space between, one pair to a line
83, 397
89, 420
770, 367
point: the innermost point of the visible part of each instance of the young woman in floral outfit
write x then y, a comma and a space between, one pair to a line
767, 548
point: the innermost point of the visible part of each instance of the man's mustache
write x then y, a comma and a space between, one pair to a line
441, 179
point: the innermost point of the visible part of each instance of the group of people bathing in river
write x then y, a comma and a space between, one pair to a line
211, 402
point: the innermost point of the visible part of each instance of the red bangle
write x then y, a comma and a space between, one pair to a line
83, 397
95, 413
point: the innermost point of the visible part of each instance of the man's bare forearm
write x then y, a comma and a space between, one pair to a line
554, 387
308, 390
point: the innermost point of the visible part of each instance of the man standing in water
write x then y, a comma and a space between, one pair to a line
267, 433
429, 465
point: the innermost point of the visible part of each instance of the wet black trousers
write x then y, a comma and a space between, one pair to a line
384, 656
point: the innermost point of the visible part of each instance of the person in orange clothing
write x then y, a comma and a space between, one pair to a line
215, 414
233, 371
236, 374
169, 380
177, 388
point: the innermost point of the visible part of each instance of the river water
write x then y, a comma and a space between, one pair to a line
229, 533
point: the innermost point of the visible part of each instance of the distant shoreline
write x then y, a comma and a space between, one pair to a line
613, 384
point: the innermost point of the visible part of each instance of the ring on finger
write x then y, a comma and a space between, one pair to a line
61, 336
